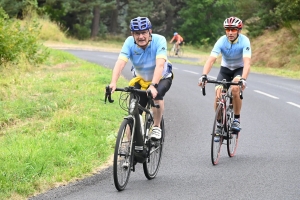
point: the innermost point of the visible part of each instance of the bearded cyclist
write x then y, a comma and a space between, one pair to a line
179, 41
235, 65
151, 69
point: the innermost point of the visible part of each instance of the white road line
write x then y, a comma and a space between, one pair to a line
266, 94
190, 72
293, 104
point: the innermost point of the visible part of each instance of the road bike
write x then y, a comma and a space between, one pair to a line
133, 144
172, 51
224, 117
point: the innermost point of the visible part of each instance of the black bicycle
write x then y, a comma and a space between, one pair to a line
133, 144
224, 117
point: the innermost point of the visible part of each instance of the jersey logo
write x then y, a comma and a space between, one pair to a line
248, 48
136, 53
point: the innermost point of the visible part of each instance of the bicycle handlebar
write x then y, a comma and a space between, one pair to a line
129, 89
224, 83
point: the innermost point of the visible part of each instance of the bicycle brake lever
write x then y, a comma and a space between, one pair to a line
241, 92
108, 95
149, 94
203, 90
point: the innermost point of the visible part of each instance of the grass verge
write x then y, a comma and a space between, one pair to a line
55, 126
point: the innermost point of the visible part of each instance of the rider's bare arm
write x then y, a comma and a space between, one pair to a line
120, 64
246, 69
158, 70
208, 65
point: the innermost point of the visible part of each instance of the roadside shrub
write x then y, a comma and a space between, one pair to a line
17, 39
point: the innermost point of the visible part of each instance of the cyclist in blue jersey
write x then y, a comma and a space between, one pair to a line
151, 68
235, 65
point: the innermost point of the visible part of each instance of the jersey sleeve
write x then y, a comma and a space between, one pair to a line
161, 48
247, 49
125, 51
217, 48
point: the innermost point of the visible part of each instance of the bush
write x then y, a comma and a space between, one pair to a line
20, 41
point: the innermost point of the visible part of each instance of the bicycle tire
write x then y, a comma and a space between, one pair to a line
180, 52
123, 156
232, 139
232, 142
152, 163
172, 52
216, 146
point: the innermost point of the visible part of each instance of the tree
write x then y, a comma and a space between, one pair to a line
203, 20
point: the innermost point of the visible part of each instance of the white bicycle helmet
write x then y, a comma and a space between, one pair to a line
233, 22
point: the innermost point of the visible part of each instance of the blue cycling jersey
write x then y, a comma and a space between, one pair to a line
144, 61
232, 53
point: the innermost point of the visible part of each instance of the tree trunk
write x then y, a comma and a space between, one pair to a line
95, 22
113, 28
170, 17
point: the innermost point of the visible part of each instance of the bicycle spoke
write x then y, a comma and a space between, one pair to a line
217, 138
232, 144
122, 156
152, 163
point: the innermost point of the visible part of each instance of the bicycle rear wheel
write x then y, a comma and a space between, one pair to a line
123, 156
216, 145
151, 165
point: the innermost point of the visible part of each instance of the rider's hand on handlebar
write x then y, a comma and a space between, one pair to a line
202, 79
113, 87
244, 82
153, 91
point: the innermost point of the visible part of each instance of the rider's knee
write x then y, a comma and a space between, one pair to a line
235, 89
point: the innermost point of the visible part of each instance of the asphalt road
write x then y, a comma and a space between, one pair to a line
267, 162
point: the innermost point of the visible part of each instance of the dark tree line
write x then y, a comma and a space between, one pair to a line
198, 21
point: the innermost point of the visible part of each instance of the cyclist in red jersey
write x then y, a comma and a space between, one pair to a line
179, 41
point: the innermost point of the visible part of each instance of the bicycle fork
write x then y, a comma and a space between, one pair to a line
140, 152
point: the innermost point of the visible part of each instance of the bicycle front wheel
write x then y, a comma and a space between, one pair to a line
123, 156
172, 52
217, 138
151, 165
180, 52
232, 143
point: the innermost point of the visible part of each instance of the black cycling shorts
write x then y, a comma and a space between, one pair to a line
228, 74
162, 88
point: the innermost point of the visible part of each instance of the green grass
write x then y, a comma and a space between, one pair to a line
55, 126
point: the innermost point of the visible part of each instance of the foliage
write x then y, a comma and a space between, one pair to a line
204, 19
12, 8
20, 41
76, 16
288, 10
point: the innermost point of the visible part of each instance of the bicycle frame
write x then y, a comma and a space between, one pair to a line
225, 95
225, 114
132, 143
138, 134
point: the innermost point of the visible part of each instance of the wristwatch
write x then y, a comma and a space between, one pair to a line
154, 85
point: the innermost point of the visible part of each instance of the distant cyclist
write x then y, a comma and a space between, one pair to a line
235, 65
179, 41
151, 69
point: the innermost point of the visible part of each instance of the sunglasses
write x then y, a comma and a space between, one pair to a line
233, 30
